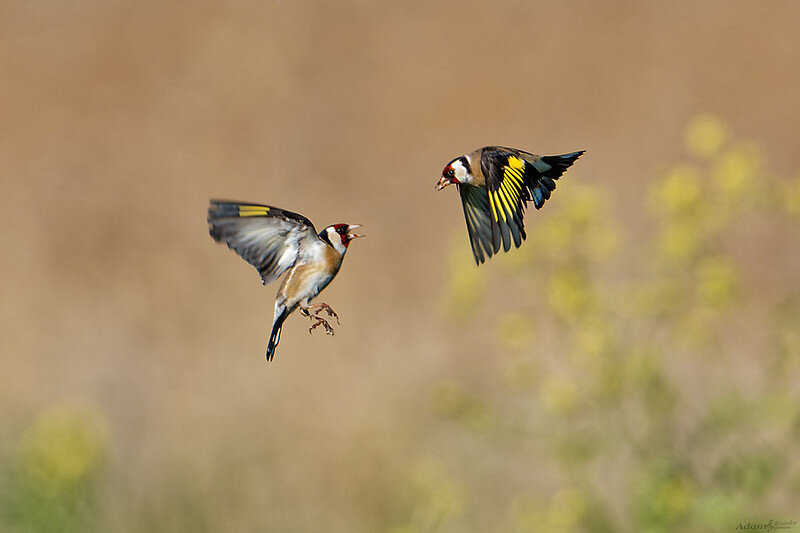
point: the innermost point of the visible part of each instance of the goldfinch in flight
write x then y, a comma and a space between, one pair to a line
274, 240
495, 184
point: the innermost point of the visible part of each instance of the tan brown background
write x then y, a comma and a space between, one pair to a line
118, 120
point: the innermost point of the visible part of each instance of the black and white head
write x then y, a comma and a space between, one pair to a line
340, 235
458, 170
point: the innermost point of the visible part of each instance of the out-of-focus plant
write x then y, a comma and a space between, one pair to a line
50, 482
621, 355
437, 498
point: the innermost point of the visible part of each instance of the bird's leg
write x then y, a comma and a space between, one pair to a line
307, 311
321, 322
322, 306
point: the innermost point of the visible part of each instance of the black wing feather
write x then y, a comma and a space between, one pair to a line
269, 238
541, 173
475, 202
507, 194
495, 212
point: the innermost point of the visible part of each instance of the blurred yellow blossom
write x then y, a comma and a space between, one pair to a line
716, 281
558, 394
678, 192
63, 447
593, 338
706, 135
570, 222
735, 172
619, 346
568, 293
680, 240
514, 330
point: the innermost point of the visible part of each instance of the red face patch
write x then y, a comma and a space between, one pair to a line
341, 230
449, 173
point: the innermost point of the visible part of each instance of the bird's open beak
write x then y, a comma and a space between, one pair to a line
354, 235
443, 182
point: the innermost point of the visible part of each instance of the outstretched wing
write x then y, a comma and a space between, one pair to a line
542, 171
513, 178
504, 172
479, 225
267, 237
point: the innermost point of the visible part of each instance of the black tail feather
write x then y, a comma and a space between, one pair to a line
275, 335
542, 184
560, 163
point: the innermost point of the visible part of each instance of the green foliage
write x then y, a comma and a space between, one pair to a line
50, 483
625, 369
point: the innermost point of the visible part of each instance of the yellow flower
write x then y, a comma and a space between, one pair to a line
705, 136
578, 225
558, 394
735, 172
63, 447
680, 241
716, 281
678, 192
568, 293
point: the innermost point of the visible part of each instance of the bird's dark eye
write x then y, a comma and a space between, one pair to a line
340, 230
450, 173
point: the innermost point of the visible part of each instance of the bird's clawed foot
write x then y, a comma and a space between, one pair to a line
313, 311
321, 322
323, 306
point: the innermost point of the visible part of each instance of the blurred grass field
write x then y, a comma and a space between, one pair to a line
631, 368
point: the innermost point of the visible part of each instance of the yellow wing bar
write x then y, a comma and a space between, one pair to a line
506, 198
253, 210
